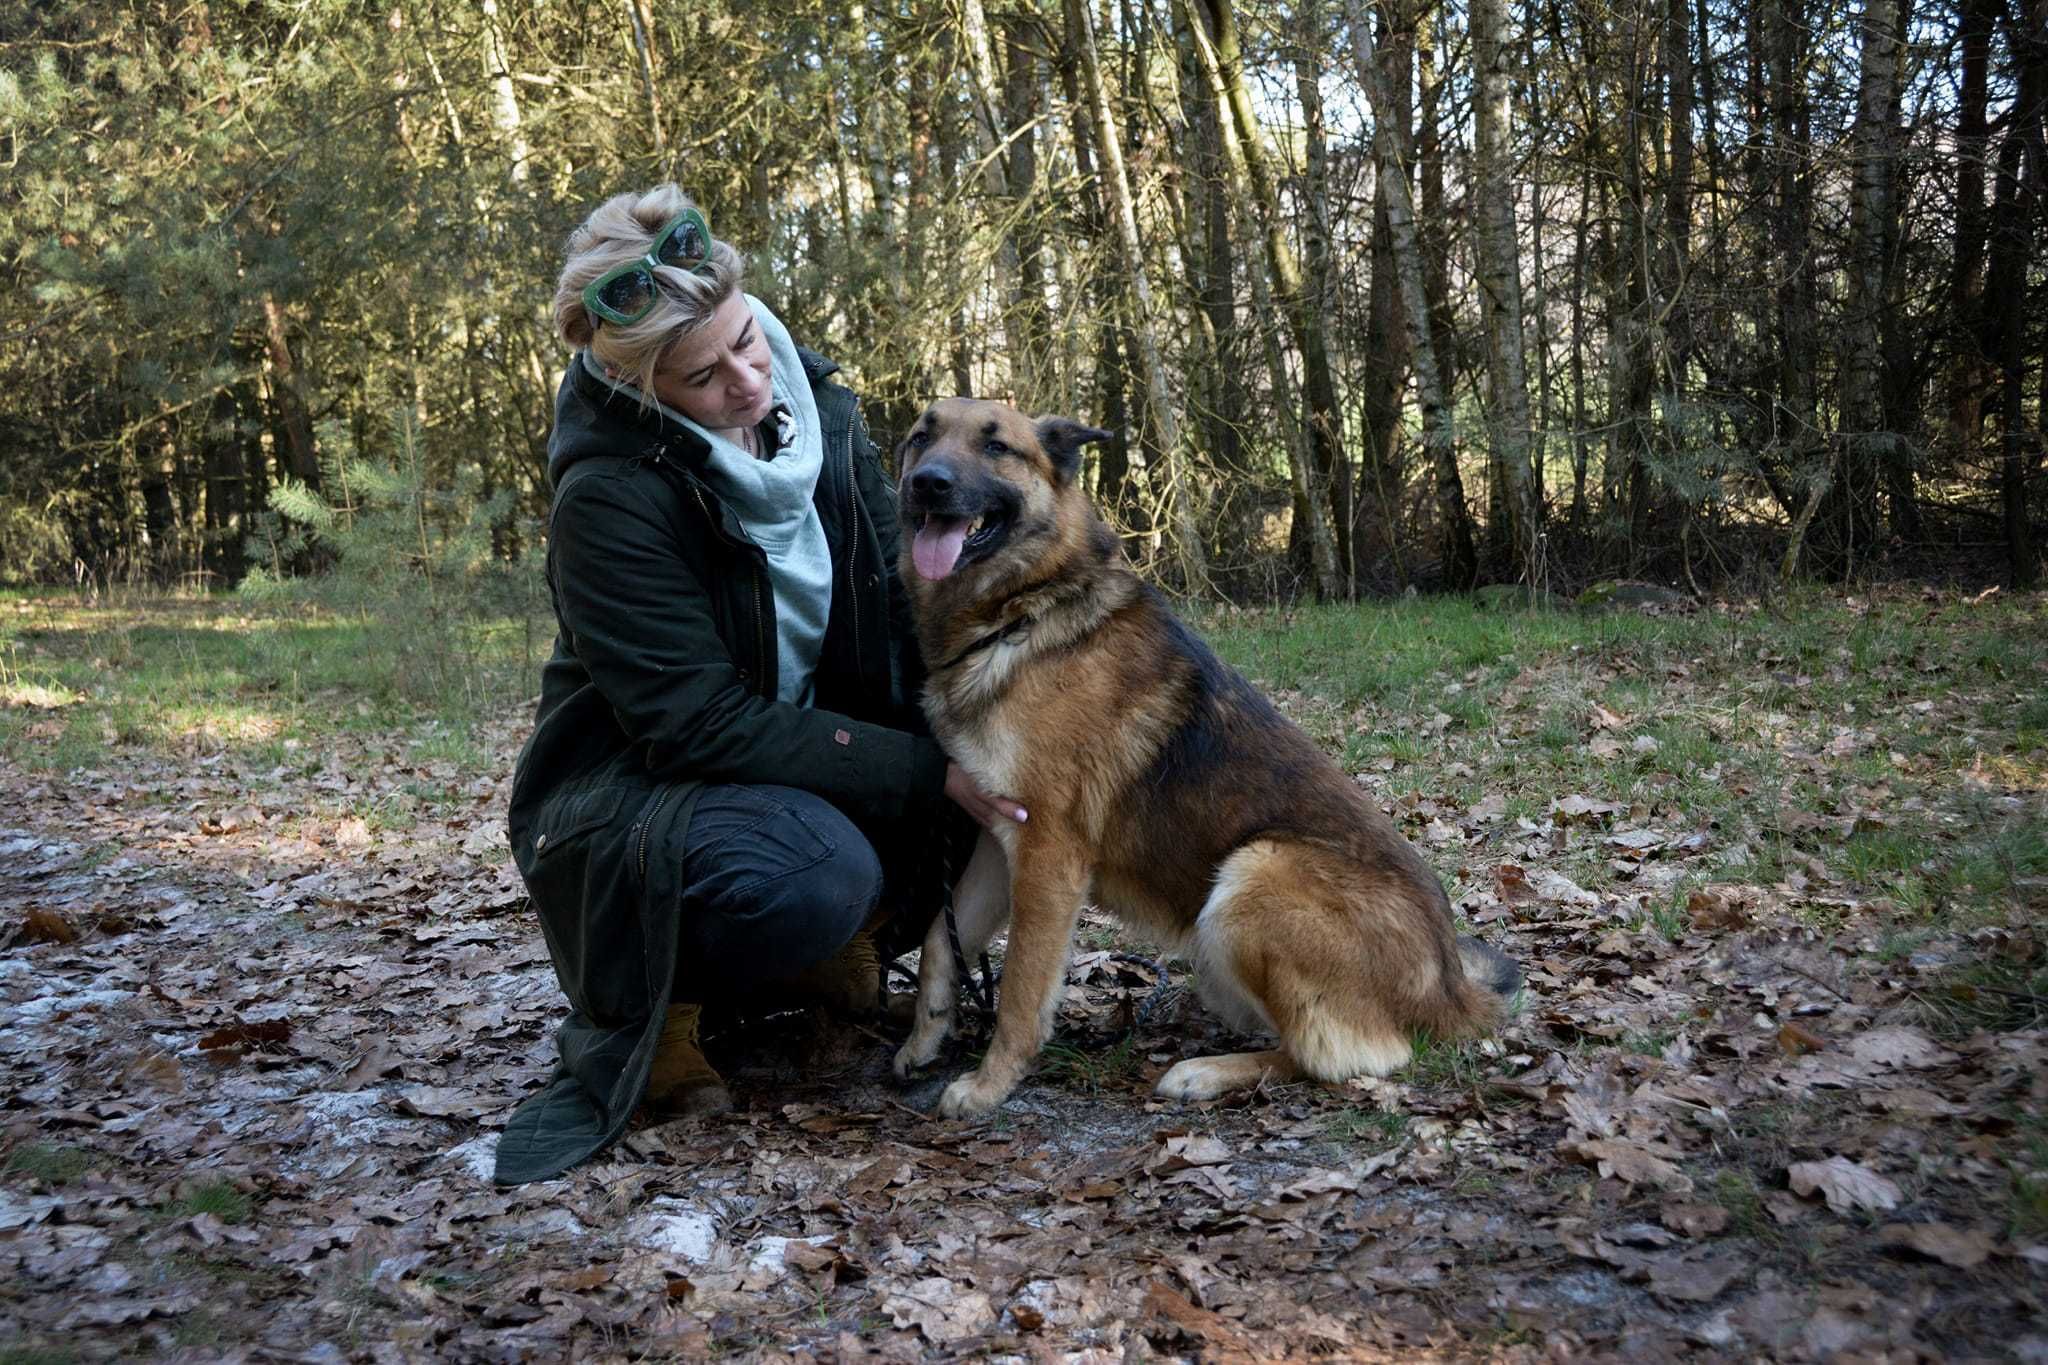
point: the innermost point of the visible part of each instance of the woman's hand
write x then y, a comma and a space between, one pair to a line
985, 809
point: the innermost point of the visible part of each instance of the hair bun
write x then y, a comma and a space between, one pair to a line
577, 328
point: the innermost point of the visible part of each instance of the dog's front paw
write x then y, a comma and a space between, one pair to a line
921, 1047
971, 1096
910, 1057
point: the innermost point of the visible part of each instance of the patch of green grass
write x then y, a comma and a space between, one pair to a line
216, 1197
21, 1353
1989, 868
1373, 1129
2029, 1217
1114, 1067
1998, 994
1559, 733
167, 672
199, 1329
1467, 711
1667, 916
1736, 1191
1452, 1065
1876, 857
1648, 1042
51, 1165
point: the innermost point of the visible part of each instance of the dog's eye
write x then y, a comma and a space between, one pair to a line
994, 447
920, 439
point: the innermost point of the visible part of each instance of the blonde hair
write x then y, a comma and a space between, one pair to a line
622, 229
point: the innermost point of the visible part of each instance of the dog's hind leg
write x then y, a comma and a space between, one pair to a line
981, 904
1204, 1078
1281, 944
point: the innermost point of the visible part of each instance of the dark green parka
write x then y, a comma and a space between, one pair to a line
663, 678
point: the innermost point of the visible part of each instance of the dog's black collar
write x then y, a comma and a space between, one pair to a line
989, 641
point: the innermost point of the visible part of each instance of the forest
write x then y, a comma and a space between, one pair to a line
1376, 296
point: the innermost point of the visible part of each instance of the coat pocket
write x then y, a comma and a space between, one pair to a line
573, 812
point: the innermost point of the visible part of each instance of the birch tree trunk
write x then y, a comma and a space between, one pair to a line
1461, 559
1190, 557
1500, 283
504, 98
1215, 29
641, 13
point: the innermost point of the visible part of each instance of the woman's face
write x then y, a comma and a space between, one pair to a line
720, 375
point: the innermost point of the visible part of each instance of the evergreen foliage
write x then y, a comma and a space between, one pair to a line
433, 570
1758, 249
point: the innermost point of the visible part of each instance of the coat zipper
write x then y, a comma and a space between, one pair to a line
760, 638
647, 827
853, 545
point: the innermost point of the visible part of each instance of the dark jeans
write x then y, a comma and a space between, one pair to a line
774, 880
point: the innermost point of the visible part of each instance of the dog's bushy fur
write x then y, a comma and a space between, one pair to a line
1158, 781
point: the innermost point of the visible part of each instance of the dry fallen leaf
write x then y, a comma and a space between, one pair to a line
1714, 910
1900, 1047
1694, 1220
1963, 1248
241, 1036
46, 926
1797, 1039
942, 1310
1846, 1185
1624, 1160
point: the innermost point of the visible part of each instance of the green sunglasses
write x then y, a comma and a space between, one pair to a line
625, 293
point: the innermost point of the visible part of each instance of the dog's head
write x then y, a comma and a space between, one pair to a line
982, 483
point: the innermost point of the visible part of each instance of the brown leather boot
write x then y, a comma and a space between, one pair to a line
848, 982
682, 1084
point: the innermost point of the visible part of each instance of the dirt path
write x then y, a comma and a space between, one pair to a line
255, 1051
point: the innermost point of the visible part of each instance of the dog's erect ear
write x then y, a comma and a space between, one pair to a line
1061, 438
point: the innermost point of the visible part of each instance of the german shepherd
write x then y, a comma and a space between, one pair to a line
1158, 782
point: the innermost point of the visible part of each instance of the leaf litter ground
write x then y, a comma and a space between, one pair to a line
1775, 1089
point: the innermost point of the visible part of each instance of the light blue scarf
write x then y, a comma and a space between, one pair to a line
773, 500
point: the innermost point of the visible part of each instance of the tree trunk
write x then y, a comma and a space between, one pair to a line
288, 391
1460, 557
2020, 182
1386, 335
1320, 296
1500, 283
1030, 322
1796, 424
641, 12
1215, 30
504, 98
1972, 323
1866, 444
1189, 554
1216, 385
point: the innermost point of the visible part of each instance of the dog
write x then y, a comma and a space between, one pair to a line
1157, 782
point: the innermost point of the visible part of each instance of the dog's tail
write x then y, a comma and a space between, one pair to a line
1489, 967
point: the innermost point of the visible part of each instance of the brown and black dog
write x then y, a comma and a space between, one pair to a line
1158, 781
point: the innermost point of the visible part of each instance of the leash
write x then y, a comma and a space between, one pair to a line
980, 991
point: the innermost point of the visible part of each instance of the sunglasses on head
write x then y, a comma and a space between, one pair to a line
625, 293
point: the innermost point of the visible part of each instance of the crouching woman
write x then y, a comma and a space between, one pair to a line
728, 788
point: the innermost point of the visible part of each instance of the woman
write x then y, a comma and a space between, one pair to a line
728, 777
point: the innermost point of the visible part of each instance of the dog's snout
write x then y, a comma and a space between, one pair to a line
934, 479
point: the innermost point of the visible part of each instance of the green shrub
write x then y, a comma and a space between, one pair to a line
445, 581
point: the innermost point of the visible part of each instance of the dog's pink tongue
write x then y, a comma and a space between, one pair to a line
936, 548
